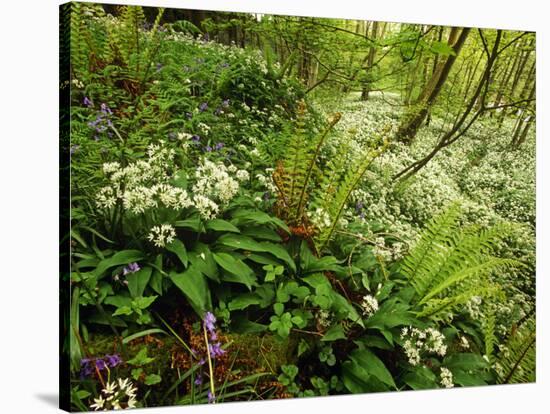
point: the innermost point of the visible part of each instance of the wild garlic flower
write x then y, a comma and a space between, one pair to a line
324, 318
242, 175
206, 207
369, 305
446, 378
320, 218
214, 187
417, 342
162, 235
117, 395
464, 342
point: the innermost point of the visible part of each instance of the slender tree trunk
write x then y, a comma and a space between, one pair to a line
370, 62
409, 127
523, 124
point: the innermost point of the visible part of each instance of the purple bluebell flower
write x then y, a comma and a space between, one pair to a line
218, 146
203, 106
225, 103
198, 380
210, 322
113, 360
88, 102
131, 268
86, 368
105, 109
359, 206
211, 398
208, 148
159, 67
195, 138
202, 361
216, 350
218, 111
206, 37
100, 364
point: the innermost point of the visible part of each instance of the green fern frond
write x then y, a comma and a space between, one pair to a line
335, 202
294, 179
518, 360
433, 244
449, 265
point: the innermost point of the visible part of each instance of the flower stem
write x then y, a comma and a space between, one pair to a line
212, 390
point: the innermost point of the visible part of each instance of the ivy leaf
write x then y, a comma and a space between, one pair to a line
136, 373
334, 333
278, 308
152, 379
141, 358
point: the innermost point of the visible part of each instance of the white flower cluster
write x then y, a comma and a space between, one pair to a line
473, 307
319, 218
162, 235
369, 305
267, 181
418, 342
119, 395
324, 318
215, 187
446, 378
143, 185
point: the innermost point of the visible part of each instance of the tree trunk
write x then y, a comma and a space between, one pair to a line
370, 61
409, 127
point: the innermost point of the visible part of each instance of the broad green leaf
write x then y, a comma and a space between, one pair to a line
465, 362
193, 223
193, 285
244, 301
263, 233
221, 225
258, 217
179, 249
120, 258
239, 271
421, 378
466, 379
137, 281
372, 365
201, 257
